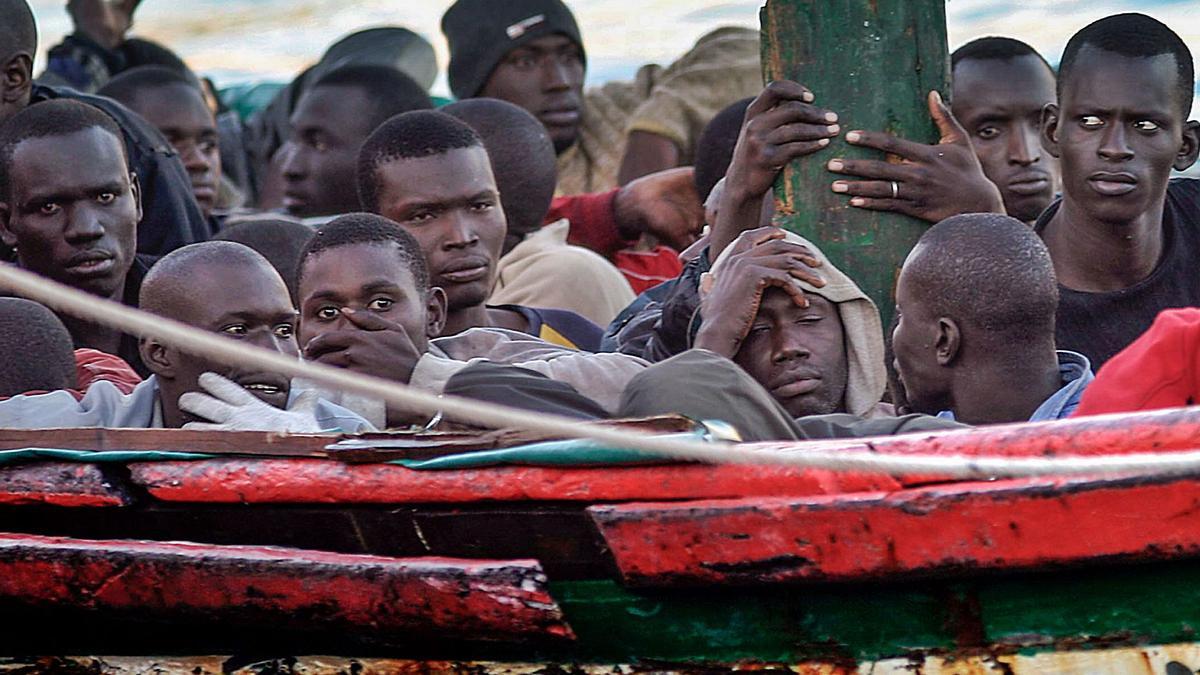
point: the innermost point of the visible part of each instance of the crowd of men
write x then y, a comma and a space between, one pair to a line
594, 253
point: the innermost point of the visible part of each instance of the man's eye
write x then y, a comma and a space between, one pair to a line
523, 61
988, 133
285, 331
482, 206
380, 304
49, 209
327, 313
1090, 122
236, 329
1145, 125
421, 217
208, 146
758, 330
106, 197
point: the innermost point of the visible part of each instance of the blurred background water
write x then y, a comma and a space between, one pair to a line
237, 41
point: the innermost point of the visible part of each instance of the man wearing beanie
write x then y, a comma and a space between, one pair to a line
531, 53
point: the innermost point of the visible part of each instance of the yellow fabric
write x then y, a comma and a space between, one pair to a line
555, 338
675, 102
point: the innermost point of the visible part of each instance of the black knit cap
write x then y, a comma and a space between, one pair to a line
482, 32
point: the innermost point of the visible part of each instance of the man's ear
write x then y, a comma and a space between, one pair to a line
135, 187
435, 313
1189, 148
948, 343
16, 79
1049, 133
159, 358
6, 234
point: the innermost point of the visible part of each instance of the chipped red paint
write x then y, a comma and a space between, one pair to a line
245, 585
58, 484
1010, 524
317, 481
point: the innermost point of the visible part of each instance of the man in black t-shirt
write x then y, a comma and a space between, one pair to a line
1124, 237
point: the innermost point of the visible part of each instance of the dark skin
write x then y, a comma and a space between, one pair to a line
647, 153
246, 301
781, 125
181, 114
318, 162
450, 204
945, 363
662, 206
933, 182
72, 214
16, 81
999, 104
362, 310
104, 21
544, 76
791, 342
1118, 130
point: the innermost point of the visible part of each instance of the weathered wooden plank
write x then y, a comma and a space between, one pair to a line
242, 585
951, 529
315, 481
177, 440
59, 484
873, 63
386, 446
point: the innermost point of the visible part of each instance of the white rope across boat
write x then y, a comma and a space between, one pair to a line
808, 454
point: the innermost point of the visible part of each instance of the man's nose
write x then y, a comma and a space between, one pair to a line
1115, 144
194, 160
84, 225
1024, 146
459, 233
788, 345
556, 75
294, 164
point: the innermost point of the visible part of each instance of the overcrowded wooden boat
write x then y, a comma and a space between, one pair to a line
178, 551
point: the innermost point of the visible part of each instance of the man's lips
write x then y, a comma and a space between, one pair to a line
796, 386
1030, 183
560, 117
268, 388
466, 270
204, 191
294, 200
1112, 184
91, 263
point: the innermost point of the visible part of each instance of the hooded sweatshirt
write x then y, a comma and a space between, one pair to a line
861, 325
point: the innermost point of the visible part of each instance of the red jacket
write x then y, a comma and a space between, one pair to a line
1157, 370
594, 225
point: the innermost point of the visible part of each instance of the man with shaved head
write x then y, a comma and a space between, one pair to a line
976, 302
538, 267
1000, 88
221, 287
171, 216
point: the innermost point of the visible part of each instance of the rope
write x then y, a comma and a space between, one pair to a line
819, 455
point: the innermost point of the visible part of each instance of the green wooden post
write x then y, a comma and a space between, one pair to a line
873, 62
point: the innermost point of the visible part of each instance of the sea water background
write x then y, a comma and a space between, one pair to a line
237, 41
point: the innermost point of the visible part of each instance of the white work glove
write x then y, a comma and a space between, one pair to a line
232, 408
